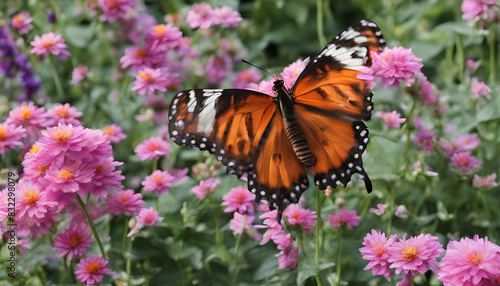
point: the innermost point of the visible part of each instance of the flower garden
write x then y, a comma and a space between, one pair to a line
94, 192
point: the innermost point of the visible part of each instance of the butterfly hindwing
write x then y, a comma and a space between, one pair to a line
229, 123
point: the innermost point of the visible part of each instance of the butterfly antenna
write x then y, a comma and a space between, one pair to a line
249, 63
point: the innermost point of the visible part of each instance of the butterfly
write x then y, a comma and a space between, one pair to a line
316, 124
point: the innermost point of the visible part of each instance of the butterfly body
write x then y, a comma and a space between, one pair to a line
271, 140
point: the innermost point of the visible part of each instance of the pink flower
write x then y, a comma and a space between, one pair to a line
292, 71
49, 43
246, 79
4, 209
10, 136
22, 22
479, 10
91, 270
115, 9
125, 202
485, 182
238, 199
427, 92
164, 37
149, 80
392, 66
274, 229
298, 216
78, 74
470, 262
218, 67
153, 147
138, 58
64, 114
464, 162
423, 138
288, 259
401, 211
226, 17
205, 188
344, 217
380, 210
74, 242
30, 117
158, 182
464, 143
479, 88
32, 204
391, 119
375, 251
106, 177
415, 255
149, 217
114, 133
201, 16
69, 178
240, 223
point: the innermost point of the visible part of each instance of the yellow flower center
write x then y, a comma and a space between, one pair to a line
146, 76
94, 267
62, 135
18, 19
26, 114
475, 258
43, 168
34, 149
409, 253
65, 174
75, 239
158, 179
160, 29
63, 112
47, 43
141, 53
31, 196
378, 249
3, 132
108, 130
112, 4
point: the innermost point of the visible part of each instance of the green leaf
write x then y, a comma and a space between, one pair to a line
79, 35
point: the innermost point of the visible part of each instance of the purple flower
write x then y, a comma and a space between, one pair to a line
125, 202
91, 270
415, 254
470, 262
375, 251
344, 217
391, 119
392, 66
49, 43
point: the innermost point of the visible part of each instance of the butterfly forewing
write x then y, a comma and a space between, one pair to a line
229, 123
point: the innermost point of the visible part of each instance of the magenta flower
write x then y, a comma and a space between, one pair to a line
22, 22
10, 136
464, 143
164, 37
479, 10
138, 58
91, 270
246, 79
64, 114
149, 80
205, 188
298, 216
427, 92
201, 16
149, 217
239, 199
288, 259
344, 217
485, 182
125, 202
218, 67
69, 178
74, 242
153, 147
391, 119
423, 138
415, 255
240, 223
78, 74
226, 17
114, 133
480, 89
375, 251
32, 204
380, 210
158, 182
4, 202
274, 229
470, 262
29, 116
115, 9
49, 43
106, 177
392, 66
464, 162
292, 71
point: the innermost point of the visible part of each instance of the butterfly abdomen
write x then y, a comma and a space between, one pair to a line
298, 141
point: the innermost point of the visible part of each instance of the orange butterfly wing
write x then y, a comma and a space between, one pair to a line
229, 123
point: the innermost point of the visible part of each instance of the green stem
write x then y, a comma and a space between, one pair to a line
319, 23
339, 259
125, 230
236, 260
91, 224
491, 43
461, 58
319, 281
57, 80
218, 237
129, 260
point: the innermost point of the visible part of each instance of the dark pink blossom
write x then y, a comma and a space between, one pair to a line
246, 79
115, 9
464, 162
164, 37
91, 270
74, 242
464, 143
149, 80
